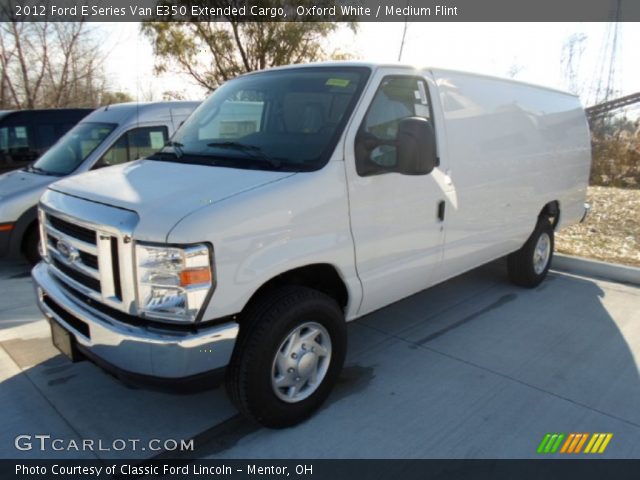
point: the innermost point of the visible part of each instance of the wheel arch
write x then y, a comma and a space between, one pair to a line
27, 220
323, 277
551, 211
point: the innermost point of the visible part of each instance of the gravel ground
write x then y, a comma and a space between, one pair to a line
611, 232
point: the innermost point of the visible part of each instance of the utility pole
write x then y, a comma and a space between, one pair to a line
606, 77
404, 35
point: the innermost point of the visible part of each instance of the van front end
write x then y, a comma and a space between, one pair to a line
87, 287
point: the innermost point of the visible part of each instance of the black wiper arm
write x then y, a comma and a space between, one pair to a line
177, 147
42, 171
256, 152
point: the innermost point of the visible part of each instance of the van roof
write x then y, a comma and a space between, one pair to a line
375, 65
6, 113
141, 112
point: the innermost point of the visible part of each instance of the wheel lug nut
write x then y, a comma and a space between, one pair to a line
294, 355
290, 370
304, 347
297, 379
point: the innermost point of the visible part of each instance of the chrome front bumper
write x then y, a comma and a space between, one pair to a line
146, 351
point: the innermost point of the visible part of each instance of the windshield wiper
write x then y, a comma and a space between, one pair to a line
41, 171
177, 147
255, 152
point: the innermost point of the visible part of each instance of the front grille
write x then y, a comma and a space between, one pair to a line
78, 276
115, 266
89, 260
75, 231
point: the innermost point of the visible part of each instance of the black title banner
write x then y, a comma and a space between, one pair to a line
321, 10
320, 469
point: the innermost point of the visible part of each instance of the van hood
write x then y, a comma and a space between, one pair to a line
21, 181
162, 193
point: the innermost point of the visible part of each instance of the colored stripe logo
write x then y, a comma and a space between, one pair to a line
574, 443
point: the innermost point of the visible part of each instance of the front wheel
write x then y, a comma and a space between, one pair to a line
529, 266
288, 356
30, 245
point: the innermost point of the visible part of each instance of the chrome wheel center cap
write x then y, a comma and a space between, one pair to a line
307, 364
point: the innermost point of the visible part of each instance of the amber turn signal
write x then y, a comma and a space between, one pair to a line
195, 276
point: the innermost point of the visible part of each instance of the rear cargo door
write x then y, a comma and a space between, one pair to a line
396, 219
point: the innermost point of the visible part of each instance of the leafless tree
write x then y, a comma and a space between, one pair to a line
572, 51
50, 65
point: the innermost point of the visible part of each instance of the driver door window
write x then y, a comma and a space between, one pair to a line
134, 144
397, 97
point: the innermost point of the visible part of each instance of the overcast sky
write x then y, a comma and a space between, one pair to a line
533, 50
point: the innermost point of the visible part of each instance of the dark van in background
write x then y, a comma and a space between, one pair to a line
27, 134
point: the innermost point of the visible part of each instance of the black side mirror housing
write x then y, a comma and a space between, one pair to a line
416, 146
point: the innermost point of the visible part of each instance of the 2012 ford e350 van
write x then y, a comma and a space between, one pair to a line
109, 136
296, 199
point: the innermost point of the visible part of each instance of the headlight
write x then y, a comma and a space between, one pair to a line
173, 282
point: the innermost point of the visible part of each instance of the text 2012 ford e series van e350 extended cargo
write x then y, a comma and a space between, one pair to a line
296, 199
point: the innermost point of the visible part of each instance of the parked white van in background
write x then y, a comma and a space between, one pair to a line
254, 237
109, 136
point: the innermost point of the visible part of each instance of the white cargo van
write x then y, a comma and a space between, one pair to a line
110, 135
294, 200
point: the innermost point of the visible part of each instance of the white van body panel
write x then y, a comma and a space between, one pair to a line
162, 193
512, 149
264, 232
396, 233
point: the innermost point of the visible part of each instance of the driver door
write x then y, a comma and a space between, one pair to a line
396, 219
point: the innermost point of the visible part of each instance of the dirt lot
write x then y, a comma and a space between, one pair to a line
611, 232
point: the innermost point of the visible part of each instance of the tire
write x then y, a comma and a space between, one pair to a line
265, 329
528, 267
30, 244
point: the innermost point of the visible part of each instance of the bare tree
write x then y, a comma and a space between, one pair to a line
50, 65
572, 51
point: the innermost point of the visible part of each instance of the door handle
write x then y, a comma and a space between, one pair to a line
441, 210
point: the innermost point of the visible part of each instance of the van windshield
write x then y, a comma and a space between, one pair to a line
276, 120
72, 149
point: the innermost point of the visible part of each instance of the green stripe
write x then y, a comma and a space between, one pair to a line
547, 448
543, 443
554, 449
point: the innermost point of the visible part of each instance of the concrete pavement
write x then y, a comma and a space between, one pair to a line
472, 368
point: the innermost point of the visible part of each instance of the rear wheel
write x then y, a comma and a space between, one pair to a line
288, 356
529, 266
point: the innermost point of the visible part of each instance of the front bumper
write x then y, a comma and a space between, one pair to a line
142, 351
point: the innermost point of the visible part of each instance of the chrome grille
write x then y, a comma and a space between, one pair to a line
88, 247
75, 231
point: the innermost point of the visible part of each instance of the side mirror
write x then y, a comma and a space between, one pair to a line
416, 146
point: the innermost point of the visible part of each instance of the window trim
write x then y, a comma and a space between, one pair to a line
126, 133
366, 114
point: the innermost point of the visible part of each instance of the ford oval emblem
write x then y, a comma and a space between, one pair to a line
67, 251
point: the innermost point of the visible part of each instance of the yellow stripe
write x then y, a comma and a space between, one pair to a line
567, 442
591, 442
582, 440
596, 445
607, 439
